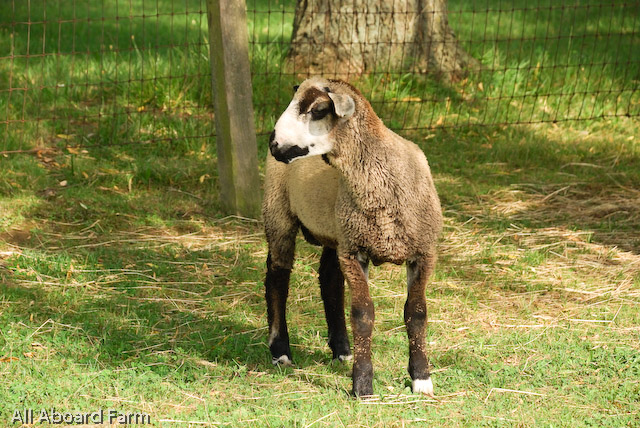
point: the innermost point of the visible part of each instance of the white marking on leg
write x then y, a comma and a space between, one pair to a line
422, 386
364, 263
345, 357
282, 360
273, 334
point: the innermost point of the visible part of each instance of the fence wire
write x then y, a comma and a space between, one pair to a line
540, 61
87, 73
80, 73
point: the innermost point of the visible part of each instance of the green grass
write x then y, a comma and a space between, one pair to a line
542, 62
122, 286
107, 76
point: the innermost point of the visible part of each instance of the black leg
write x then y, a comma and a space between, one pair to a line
332, 291
415, 318
277, 290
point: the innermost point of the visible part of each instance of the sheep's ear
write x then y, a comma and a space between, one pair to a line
343, 104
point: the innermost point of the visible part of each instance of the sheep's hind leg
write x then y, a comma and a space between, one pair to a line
332, 291
277, 290
415, 318
362, 318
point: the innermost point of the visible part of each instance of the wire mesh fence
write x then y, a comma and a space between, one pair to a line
100, 73
539, 61
86, 73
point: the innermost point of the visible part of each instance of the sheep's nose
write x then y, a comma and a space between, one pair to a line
272, 140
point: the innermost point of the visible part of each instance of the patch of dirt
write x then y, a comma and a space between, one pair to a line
16, 237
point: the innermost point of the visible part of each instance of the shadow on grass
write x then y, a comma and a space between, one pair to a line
133, 252
153, 271
134, 306
115, 72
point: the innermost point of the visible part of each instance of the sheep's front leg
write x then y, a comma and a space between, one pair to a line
332, 291
415, 318
354, 269
277, 290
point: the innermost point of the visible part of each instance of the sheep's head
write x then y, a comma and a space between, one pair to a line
305, 127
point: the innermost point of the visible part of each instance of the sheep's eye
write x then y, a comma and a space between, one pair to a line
295, 88
320, 111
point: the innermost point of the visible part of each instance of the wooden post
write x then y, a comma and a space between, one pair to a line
235, 129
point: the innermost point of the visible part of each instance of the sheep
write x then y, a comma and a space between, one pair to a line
363, 193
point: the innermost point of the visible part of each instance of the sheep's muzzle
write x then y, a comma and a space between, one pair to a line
285, 154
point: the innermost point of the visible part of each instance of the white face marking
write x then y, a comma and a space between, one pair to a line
422, 386
295, 129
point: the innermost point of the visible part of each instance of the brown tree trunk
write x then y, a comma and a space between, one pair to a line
343, 38
438, 48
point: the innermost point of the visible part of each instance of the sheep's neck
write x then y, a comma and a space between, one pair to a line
369, 172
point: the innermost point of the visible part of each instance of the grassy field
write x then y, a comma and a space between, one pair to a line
123, 287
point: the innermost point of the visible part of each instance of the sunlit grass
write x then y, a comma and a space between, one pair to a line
123, 286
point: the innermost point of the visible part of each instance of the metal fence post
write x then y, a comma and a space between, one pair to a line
232, 94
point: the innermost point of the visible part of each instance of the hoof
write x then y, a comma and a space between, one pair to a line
340, 349
363, 391
363, 387
282, 360
343, 358
422, 386
362, 376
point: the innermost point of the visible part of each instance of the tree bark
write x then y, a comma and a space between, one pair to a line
438, 48
343, 38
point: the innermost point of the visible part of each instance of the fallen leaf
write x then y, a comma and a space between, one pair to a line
8, 359
63, 183
28, 354
109, 171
